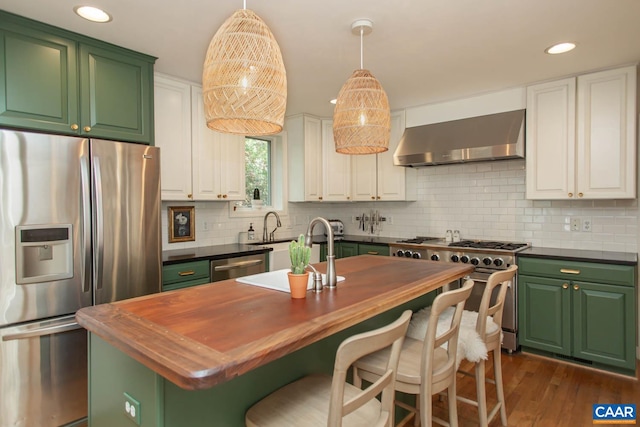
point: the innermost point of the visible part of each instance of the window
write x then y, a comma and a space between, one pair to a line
257, 160
266, 170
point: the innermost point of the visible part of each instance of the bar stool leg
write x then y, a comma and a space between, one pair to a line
481, 393
497, 369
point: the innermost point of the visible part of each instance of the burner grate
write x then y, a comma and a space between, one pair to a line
487, 245
418, 240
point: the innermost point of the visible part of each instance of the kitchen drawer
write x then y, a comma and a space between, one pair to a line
185, 272
571, 270
364, 249
185, 284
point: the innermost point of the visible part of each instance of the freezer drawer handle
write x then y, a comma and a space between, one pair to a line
568, 271
186, 273
237, 265
47, 330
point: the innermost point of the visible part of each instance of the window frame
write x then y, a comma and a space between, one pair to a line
279, 183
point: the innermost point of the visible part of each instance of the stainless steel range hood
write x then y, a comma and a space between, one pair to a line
491, 137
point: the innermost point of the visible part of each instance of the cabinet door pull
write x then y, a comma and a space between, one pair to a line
87, 128
186, 273
372, 253
565, 286
569, 271
570, 194
580, 194
74, 126
576, 287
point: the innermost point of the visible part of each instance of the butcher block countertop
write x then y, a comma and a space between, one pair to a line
206, 335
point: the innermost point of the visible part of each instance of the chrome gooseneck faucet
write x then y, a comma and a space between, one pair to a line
264, 228
332, 279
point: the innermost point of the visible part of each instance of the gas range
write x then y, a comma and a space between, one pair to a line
485, 254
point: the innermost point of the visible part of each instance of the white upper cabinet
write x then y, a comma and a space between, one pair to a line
197, 163
606, 134
375, 177
581, 137
318, 173
336, 167
304, 151
172, 106
217, 158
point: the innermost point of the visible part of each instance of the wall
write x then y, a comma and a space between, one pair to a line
483, 200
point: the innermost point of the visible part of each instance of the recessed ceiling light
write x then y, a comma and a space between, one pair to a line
560, 48
333, 101
92, 14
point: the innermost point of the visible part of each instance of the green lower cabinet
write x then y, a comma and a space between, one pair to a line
589, 322
369, 249
323, 252
183, 275
348, 249
604, 319
544, 314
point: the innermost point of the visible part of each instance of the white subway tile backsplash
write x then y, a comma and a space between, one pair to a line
483, 200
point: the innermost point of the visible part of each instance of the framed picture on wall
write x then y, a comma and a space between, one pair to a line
182, 224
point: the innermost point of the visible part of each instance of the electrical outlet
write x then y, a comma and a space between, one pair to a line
586, 224
354, 220
132, 408
576, 225
389, 219
205, 226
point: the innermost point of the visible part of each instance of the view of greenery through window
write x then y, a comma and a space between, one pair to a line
257, 160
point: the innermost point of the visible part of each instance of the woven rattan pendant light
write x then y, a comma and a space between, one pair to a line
244, 82
362, 118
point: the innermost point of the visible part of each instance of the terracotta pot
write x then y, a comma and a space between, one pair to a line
298, 284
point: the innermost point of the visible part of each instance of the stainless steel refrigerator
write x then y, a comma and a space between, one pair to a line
79, 225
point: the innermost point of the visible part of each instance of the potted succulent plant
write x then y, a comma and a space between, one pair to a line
300, 256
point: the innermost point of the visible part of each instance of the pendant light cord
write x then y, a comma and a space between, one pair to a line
244, 4
361, 49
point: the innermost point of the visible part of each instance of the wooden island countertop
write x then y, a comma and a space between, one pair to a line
203, 336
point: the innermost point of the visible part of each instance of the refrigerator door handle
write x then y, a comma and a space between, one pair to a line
65, 324
86, 220
98, 230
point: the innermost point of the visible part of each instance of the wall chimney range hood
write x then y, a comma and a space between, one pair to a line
492, 137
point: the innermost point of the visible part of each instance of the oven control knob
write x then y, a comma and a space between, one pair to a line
400, 253
408, 254
416, 255
487, 261
455, 258
498, 262
464, 259
475, 261
435, 257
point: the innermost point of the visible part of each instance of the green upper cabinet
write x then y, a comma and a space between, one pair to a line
39, 79
116, 94
56, 81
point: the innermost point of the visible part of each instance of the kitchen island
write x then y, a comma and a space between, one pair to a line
203, 355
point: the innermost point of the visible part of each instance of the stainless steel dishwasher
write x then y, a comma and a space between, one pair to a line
230, 268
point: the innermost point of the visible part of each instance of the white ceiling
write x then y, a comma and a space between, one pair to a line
422, 51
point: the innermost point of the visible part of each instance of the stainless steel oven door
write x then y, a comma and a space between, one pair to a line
43, 373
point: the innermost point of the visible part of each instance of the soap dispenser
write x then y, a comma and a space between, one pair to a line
252, 232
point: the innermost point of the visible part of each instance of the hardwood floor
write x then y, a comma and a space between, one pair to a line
543, 392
